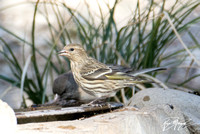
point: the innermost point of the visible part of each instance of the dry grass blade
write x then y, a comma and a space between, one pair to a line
5, 91
179, 38
160, 83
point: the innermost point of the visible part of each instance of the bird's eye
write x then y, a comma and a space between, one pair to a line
71, 49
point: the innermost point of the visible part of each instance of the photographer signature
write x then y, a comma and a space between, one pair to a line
173, 123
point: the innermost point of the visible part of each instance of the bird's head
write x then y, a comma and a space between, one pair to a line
74, 52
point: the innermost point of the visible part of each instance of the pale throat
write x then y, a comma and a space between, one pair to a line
76, 65
75, 71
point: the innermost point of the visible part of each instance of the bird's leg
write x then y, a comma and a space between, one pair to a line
97, 102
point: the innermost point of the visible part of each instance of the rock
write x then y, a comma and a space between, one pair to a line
149, 120
8, 122
189, 104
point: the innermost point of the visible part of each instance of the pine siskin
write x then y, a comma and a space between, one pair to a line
96, 78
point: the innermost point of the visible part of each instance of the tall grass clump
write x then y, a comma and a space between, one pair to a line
141, 43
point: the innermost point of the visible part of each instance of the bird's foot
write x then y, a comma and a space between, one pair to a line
96, 103
92, 105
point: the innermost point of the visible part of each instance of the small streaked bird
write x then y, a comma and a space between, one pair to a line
98, 79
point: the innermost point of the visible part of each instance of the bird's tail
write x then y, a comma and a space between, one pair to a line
134, 82
136, 73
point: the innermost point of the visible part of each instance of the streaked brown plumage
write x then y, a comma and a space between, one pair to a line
96, 78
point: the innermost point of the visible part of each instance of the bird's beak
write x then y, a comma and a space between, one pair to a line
62, 52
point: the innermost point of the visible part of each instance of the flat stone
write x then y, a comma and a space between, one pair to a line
57, 113
127, 120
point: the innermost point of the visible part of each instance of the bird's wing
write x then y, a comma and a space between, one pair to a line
115, 72
98, 73
103, 73
118, 68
